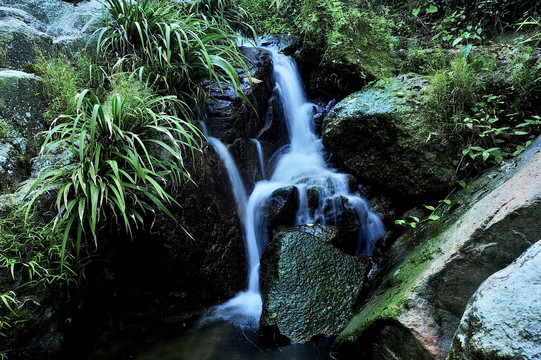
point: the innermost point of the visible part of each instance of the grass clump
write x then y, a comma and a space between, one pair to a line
63, 78
124, 152
30, 267
173, 50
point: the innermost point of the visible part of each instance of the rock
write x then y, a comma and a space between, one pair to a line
503, 317
21, 109
19, 40
342, 214
386, 140
30, 28
308, 286
281, 207
245, 153
228, 116
424, 290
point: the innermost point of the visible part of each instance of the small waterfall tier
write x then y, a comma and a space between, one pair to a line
322, 195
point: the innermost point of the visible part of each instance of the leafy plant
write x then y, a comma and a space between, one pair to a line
414, 221
174, 51
30, 256
124, 152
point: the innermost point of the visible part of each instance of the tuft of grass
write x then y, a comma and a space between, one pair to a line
123, 154
174, 50
63, 78
30, 262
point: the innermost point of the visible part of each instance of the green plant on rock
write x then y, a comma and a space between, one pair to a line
174, 51
124, 152
63, 78
30, 263
453, 90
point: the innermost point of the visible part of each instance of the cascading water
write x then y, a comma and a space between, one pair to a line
304, 167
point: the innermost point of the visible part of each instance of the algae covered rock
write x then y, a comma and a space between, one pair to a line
385, 139
308, 286
423, 294
503, 317
21, 108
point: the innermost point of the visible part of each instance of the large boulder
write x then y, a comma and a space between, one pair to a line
229, 117
30, 28
385, 139
434, 272
308, 286
503, 317
21, 109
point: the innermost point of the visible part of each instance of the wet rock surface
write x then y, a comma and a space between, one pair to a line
503, 317
308, 286
383, 137
434, 272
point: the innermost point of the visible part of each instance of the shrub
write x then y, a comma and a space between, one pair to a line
174, 51
123, 153
30, 262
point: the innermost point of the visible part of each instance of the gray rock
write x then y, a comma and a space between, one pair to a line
21, 108
383, 137
21, 42
308, 286
423, 293
503, 317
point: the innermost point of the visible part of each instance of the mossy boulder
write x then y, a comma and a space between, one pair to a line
21, 38
503, 317
383, 137
21, 108
308, 286
433, 272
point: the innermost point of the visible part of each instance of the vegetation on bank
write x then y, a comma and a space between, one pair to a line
126, 116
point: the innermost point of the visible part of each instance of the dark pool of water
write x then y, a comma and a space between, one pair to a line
218, 340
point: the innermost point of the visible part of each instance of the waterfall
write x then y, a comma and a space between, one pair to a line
302, 165
260, 157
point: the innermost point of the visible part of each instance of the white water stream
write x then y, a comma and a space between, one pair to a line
303, 166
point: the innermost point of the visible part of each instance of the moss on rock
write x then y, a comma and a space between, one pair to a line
309, 287
386, 139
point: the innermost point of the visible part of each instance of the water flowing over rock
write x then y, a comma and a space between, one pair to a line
308, 286
298, 166
424, 292
503, 317
383, 137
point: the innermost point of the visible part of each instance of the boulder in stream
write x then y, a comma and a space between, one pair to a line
503, 317
308, 286
385, 139
416, 308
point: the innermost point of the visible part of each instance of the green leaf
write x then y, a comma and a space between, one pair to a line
431, 208
462, 183
416, 11
433, 217
431, 9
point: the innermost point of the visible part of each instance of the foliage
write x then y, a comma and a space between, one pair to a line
123, 153
29, 262
492, 111
173, 50
453, 90
536, 24
424, 61
349, 46
63, 78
